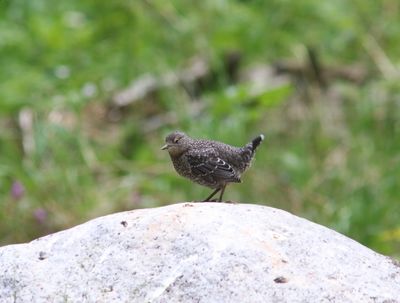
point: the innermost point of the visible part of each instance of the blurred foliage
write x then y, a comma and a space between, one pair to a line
330, 155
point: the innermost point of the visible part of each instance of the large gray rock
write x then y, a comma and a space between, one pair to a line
204, 252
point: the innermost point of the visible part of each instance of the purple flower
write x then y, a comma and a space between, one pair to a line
40, 214
136, 199
17, 190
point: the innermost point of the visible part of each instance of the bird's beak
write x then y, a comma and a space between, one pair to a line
164, 147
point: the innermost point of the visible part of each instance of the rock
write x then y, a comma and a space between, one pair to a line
197, 252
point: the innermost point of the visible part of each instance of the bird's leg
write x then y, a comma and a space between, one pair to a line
212, 194
222, 193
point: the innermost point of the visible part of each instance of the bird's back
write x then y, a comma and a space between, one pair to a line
214, 163
238, 157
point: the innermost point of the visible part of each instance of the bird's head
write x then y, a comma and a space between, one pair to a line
176, 143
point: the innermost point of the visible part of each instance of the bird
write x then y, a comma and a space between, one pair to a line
209, 163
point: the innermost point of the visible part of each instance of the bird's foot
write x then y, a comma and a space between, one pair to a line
211, 200
219, 201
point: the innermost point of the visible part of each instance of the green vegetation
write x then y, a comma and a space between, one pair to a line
68, 153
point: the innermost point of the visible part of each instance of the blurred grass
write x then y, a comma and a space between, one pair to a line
329, 156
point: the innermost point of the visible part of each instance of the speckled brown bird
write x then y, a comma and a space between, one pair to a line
209, 163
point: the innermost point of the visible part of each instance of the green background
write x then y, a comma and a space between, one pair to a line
68, 155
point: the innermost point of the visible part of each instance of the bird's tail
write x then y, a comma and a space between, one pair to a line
249, 149
256, 142
247, 152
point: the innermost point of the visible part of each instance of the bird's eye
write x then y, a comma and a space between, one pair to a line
176, 140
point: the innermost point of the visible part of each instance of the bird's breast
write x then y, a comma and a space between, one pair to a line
181, 165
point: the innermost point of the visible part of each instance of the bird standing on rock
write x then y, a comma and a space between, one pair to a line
209, 163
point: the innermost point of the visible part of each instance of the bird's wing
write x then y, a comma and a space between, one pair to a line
212, 167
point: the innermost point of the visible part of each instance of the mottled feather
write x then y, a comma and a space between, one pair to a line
209, 163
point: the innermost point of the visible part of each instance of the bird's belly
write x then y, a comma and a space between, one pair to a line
207, 183
183, 168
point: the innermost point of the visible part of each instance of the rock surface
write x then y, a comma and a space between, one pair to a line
197, 252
